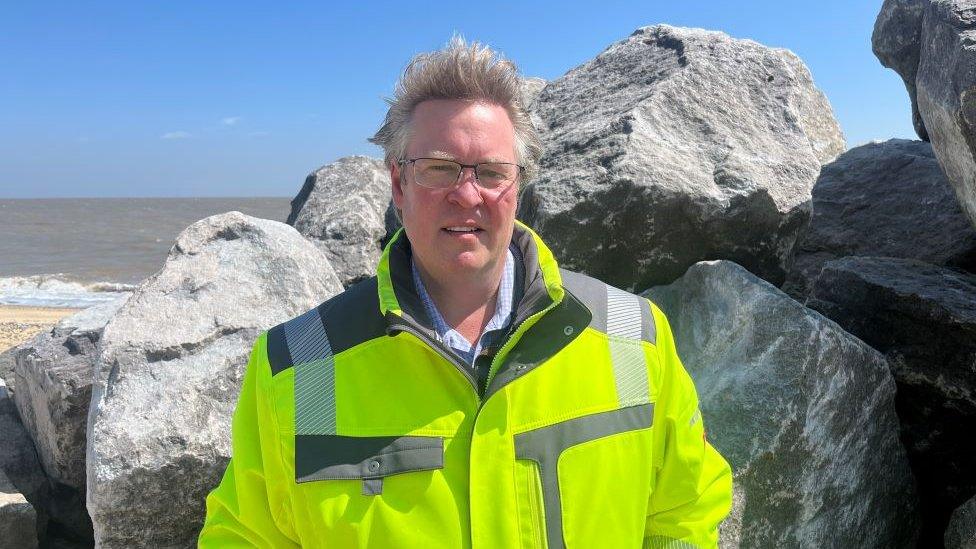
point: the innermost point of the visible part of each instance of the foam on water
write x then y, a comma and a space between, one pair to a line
57, 290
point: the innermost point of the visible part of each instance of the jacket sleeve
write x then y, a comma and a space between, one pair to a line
692, 491
248, 508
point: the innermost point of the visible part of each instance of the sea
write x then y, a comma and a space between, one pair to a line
78, 252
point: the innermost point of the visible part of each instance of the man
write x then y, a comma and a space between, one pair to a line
472, 394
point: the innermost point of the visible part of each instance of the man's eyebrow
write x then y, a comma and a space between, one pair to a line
442, 155
448, 156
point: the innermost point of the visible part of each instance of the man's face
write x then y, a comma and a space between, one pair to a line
466, 132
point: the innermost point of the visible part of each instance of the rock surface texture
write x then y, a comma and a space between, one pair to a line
677, 145
55, 373
169, 373
923, 317
803, 412
887, 199
944, 79
961, 533
342, 208
18, 521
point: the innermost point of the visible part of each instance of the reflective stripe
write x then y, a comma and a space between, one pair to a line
308, 345
664, 542
625, 328
545, 444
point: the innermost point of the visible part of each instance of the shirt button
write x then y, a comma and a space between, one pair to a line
374, 466
568, 330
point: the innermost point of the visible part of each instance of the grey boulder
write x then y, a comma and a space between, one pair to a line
944, 78
54, 390
18, 521
170, 367
923, 317
803, 412
342, 208
18, 460
896, 42
886, 199
676, 145
961, 533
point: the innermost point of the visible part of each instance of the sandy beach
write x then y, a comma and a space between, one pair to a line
20, 323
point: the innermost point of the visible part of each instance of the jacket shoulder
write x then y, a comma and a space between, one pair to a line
615, 312
339, 323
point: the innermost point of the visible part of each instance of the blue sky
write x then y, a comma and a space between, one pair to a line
246, 98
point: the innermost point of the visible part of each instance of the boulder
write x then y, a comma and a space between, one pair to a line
923, 317
961, 533
54, 390
896, 42
803, 411
18, 460
883, 199
342, 208
18, 521
943, 68
170, 367
677, 145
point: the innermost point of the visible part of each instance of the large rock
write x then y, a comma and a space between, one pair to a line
896, 42
677, 145
54, 390
923, 317
883, 199
961, 533
18, 521
342, 208
18, 459
803, 411
169, 373
943, 67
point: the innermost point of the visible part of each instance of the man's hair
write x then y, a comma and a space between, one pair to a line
459, 71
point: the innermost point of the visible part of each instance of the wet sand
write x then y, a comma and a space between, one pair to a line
20, 323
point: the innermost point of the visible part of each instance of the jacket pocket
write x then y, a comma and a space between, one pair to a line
594, 474
528, 490
340, 457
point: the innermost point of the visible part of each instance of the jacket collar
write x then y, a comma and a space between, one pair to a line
398, 295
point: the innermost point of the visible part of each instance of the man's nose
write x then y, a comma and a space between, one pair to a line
467, 193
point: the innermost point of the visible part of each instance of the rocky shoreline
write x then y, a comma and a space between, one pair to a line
823, 298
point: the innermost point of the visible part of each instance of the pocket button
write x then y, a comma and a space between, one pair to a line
374, 466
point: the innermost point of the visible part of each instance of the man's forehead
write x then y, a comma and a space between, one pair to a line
435, 153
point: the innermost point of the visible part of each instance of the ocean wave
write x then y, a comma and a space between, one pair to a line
58, 290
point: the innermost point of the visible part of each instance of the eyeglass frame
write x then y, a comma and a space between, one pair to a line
474, 168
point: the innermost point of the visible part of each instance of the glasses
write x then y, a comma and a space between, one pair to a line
437, 173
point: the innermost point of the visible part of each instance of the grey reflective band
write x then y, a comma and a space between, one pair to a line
664, 542
311, 353
340, 457
545, 444
625, 328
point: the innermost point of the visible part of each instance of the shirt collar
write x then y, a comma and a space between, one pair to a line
503, 306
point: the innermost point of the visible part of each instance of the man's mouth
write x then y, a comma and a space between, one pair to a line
462, 230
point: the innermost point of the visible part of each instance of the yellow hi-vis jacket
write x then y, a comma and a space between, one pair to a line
355, 427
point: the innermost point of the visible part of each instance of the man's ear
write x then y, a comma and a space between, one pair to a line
395, 183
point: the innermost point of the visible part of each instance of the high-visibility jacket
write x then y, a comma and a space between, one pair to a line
355, 427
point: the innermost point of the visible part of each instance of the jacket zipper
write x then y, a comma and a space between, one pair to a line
516, 335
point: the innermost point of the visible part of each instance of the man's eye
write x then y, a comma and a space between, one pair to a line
445, 168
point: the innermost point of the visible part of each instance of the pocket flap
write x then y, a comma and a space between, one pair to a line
337, 457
